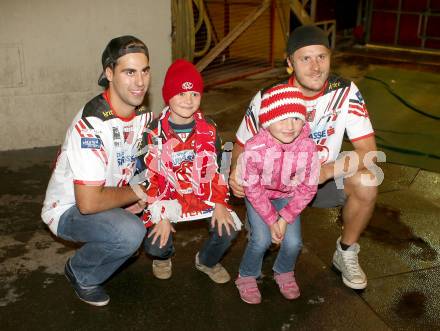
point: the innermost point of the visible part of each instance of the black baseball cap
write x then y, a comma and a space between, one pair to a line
306, 35
116, 48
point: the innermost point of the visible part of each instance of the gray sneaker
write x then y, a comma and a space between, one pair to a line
217, 273
347, 263
162, 269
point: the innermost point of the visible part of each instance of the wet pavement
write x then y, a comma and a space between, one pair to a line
399, 253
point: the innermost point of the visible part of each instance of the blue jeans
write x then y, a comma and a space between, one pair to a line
209, 255
260, 239
110, 238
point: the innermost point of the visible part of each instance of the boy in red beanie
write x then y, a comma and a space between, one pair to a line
184, 180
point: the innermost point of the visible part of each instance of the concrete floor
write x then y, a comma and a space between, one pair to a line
399, 252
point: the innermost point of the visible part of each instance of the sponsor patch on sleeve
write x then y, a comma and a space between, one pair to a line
94, 143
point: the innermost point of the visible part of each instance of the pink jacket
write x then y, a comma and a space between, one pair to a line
271, 170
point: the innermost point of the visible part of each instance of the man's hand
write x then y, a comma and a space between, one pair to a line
325, 173
137, 207
162, 230
237, 189
222, 216
276, 233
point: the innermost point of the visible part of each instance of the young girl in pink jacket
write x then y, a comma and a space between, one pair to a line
279, 172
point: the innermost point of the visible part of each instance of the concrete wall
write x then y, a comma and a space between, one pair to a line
50, 60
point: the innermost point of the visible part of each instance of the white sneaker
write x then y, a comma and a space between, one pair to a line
347, 263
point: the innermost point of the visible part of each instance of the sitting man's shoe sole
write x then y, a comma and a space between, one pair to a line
94, 296
217, 273
162, 269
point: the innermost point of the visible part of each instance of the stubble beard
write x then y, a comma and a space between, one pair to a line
307, 88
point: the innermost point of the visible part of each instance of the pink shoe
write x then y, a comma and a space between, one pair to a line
287, 284
249, 293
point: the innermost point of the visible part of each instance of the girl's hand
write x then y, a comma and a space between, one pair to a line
275, 233
283, 226
162, 230
223, 217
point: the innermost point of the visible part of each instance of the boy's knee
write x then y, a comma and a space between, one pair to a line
155, 251
225, 237
229, 237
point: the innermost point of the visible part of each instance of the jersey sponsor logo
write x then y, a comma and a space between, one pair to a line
182, 156
330, 131
93, 143
322, 134
334, 85
187, 85
107, 113
88, 131
124, 159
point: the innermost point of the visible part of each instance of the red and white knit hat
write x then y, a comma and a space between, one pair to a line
181, 76
281, 102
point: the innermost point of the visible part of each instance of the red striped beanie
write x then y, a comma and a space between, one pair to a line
281, 102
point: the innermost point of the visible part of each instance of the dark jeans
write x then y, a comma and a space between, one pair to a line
210, 254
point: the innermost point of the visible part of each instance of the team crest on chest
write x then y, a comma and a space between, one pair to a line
310, 116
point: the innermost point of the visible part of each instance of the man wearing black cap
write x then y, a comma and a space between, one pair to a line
89, 185
334, 107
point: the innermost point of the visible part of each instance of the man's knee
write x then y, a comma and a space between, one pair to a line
132, 232
362, 185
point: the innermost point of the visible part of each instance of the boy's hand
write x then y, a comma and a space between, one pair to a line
275, 232
162, 230
223, 217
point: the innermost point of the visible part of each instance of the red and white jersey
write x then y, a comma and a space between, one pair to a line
100, 149
339, 108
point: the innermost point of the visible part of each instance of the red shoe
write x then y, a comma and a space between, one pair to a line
287, 284
249, 292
